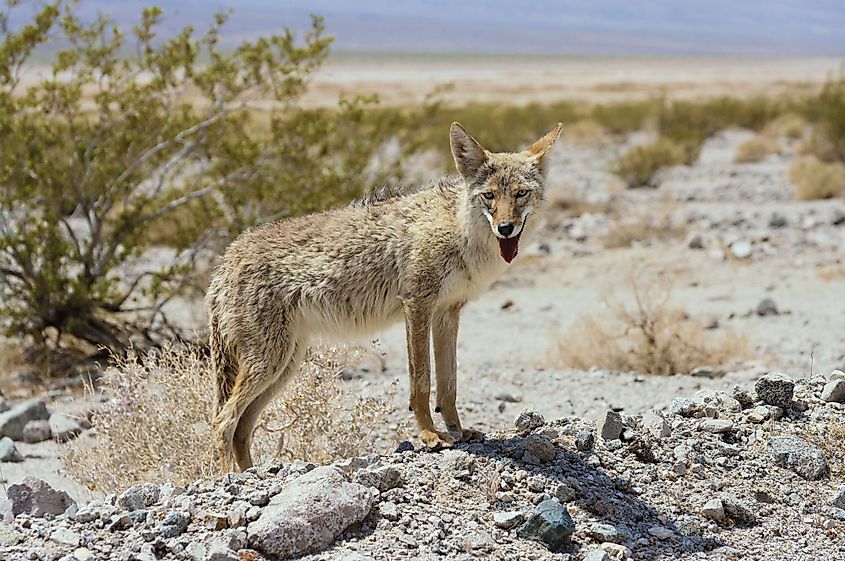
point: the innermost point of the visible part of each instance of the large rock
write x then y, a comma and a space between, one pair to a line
15, 419
8, 451
775, 389
64, 428
834, 391
610, 427
139, 496
309, 514
37, 431
36, 498
549, 524
803, 458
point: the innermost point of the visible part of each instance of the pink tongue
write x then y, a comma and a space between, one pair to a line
509, 248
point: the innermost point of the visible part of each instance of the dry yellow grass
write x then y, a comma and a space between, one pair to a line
639, 165
814, 179
629, 229
647, 334
788, 125
755, 149
156, 426
832, 273
584, 132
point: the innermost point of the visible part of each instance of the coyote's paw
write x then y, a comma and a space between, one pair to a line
471, 435
435, 440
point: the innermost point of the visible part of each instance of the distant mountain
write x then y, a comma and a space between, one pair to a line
597, 27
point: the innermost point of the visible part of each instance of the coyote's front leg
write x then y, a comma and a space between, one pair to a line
417, 330
445, 331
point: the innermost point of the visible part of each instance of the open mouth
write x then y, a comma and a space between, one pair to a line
509, 247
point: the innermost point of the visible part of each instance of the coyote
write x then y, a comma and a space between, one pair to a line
418, 256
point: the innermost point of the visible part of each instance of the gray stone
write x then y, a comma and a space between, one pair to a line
834, 391
36, 498
540, 447
309, 514
36, 431
736, 510
758, 414
742, 397
565, 493
775, 389
695, 241
794, 454
9, 536
610, 426
139, 496
836, 375
8, 451
777, 220
685, 407
15, 419
706, 372
218, 551
389, 511
609, 533
507, 520
4, 405
838, 498
767, 307
585, 440
661, 532
717, 426
549, 524
714, 510
741, 249
387, 477
656, 424
529, 419
65, 536
174, 524
64, 428
356, 557
596, 555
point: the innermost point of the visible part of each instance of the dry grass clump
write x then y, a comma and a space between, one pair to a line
755, 149
646, 333
788, 125
584, 132
630, 229
156, 424
814, 179
832, 273
638, 166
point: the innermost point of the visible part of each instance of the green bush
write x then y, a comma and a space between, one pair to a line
638, 166
134, 140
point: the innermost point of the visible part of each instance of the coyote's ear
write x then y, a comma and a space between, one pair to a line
468, 153
540, 148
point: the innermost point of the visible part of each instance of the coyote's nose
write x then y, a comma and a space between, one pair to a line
505, 228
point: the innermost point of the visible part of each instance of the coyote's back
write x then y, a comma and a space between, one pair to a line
355, 270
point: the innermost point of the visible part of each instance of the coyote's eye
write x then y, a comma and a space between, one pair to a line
488, 195
521, 193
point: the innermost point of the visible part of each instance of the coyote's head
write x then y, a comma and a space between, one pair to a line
504, 187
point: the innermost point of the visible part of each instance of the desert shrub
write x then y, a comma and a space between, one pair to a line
638, 166
788, 125
814, 179
97, 165
155, 425
644, 331
827, 111
690, 123
629, 229
625, 116
755, 149
583, 132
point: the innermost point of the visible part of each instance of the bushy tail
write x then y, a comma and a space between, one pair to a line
222, 364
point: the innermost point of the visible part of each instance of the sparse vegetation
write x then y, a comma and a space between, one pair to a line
638, 166
156, 427
755, 149
788, 125
629, 229
644, 331
827, 111
814, 179
583, 132
93, 159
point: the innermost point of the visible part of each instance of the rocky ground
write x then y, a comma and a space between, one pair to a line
757, 473
745, 257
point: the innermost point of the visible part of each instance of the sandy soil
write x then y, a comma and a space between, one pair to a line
401, 81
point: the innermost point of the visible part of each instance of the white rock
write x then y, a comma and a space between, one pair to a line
741, 249
65, 536
655, 423
507, 520
309, 513
834, 391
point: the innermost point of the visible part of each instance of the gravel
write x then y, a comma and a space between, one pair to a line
748, 490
